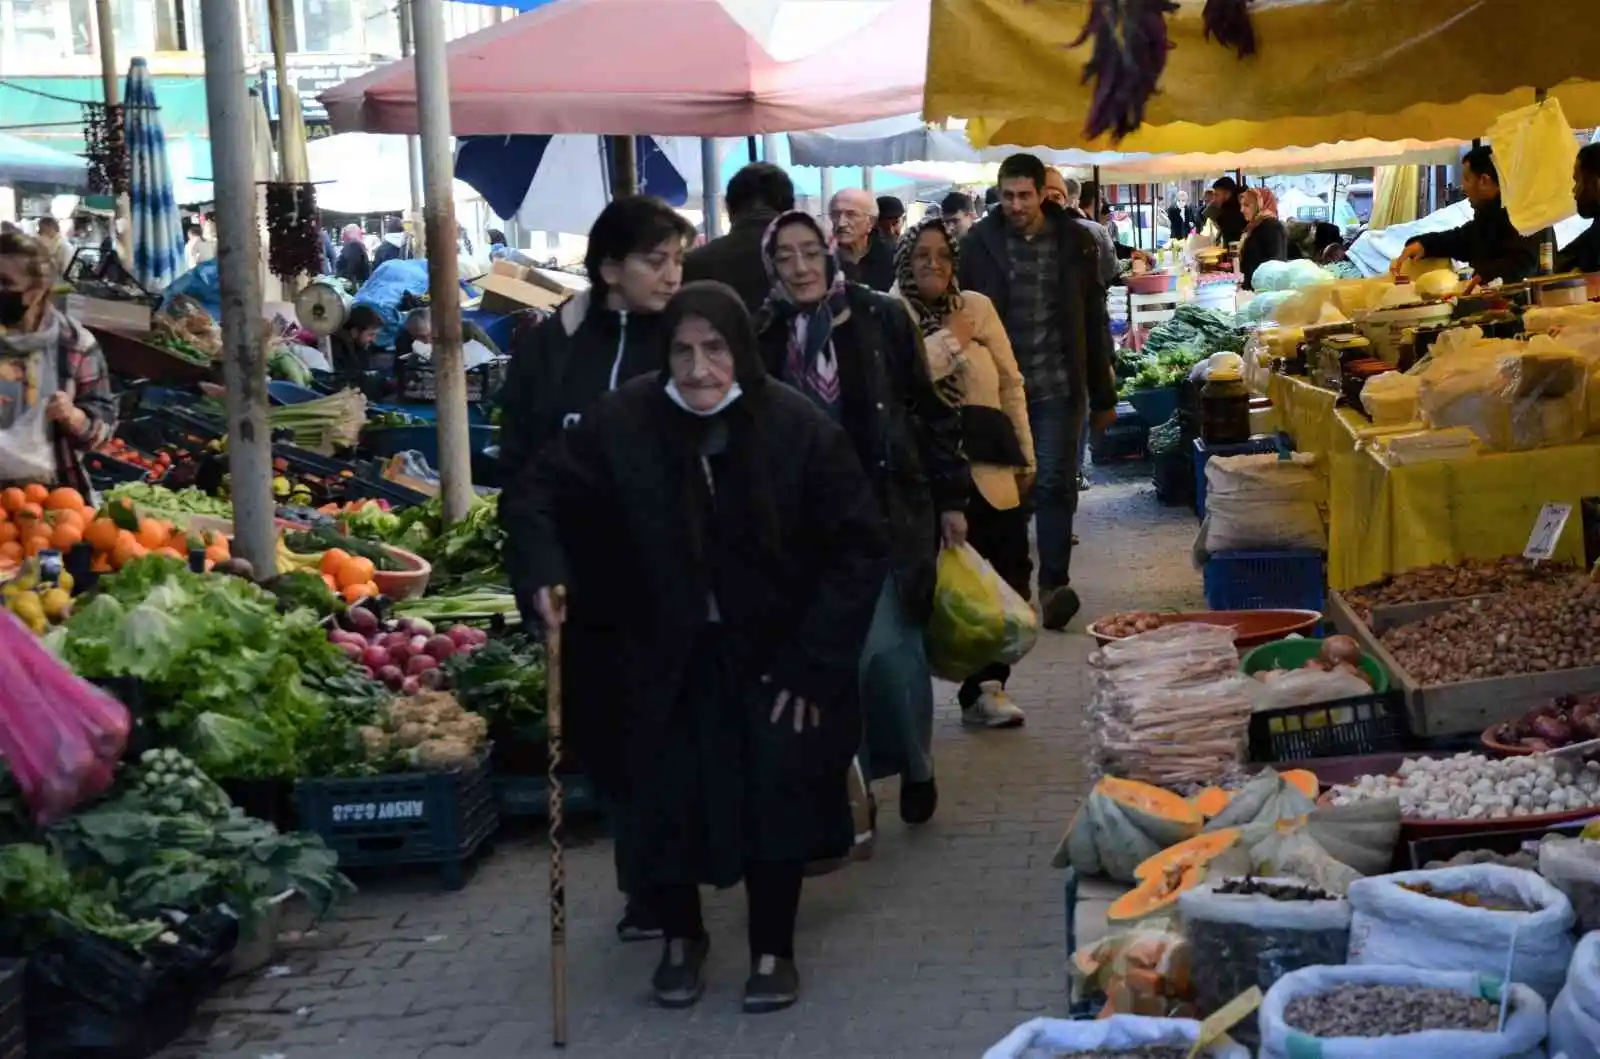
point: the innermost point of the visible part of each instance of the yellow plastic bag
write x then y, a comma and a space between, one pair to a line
978, 619
1534, 149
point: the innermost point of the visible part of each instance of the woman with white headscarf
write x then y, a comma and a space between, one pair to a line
353, 264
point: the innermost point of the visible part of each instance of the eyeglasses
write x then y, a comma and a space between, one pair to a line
811, 255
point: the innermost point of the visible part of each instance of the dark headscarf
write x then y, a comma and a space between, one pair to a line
930, 314
720, 306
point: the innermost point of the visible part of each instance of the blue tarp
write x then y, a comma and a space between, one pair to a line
502, 169
390, 282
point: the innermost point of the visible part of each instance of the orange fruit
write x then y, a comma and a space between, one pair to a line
66, 517
63, 499
153, 533
11, 549
332, 559
169, 552
12, 498
100, 565
65, 536
34, 545
8, 532
28, 511
127, 551
101, 534
355, 570
36, 493
333, 586
360, 590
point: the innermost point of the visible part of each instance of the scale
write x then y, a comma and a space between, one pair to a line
322, 307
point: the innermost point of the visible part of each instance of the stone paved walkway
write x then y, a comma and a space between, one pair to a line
941, 944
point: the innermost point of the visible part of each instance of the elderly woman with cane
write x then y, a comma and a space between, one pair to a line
722, 525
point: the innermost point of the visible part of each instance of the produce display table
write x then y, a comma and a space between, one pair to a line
1383, 519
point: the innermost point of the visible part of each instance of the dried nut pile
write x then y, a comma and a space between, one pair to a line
1468, 898
1533, 630
1471, 577
1388, 1010
1525, 861
1472, 787
1149, 1051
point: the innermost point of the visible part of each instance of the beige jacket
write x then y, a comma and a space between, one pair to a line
989, 378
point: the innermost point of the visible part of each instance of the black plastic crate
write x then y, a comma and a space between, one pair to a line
433, 818
417, 381
365, 479
269, 800
1427, 850
1362, 724
13, 1024
1173, 478
529, 796
108, 470
1124, 440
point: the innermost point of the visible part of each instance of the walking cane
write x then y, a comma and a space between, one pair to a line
558, 868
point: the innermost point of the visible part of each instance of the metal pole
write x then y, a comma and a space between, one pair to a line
624, 167
106, 31
825, 188
244, 365
413, 152
439, 220
866, 178
708, 189
769, 147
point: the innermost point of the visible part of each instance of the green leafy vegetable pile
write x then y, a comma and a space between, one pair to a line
174, 505
466, 555
504, 682
1174, 346
36, 887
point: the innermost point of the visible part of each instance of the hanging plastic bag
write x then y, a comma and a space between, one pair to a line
1241, 940
1575, 1016
1048, 1038
978, 619
1521, 1037
1534, 149
1392, 925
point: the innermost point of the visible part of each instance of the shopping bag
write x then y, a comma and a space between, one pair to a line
1534, 149
1575, 1015
1119, 1033
978, 620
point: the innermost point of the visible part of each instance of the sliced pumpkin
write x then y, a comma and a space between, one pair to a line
1155, 894
1211, 801
1199, 850
1159, 814
1303, 780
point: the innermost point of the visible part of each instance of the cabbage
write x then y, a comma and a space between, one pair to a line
1270, 276
1263, 306
1302, 274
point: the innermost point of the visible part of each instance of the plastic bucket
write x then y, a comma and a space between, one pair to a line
1292, 654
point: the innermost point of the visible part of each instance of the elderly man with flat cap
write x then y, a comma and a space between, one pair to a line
867, 256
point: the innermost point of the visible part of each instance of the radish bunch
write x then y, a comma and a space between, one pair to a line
405, 655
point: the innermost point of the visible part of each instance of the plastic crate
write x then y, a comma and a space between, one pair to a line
1204, 452
1080, 1004
1261, 580
1124, 440
1442, 847
432, 818
1172, 478
13, 1026
386, 441
1362, 724
529, 796
108, 470
417, 381
270, 800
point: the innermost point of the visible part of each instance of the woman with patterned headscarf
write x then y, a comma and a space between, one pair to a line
971, 360
1265, 238
855, 354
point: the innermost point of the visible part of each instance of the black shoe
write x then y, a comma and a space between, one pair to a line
918, 801
680, 977
773, 985
637, 924
1060, 607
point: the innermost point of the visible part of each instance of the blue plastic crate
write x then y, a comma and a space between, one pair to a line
1290, 578
1202, 452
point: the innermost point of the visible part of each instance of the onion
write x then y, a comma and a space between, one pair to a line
1337, 649
1551, 730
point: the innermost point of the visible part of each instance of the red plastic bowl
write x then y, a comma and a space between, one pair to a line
1152, 283
1252, 628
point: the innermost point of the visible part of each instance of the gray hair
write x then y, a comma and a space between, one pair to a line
420, 318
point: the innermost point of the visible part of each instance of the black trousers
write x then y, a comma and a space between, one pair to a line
1001, 537
772, 892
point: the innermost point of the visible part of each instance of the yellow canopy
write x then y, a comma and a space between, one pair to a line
1327, 70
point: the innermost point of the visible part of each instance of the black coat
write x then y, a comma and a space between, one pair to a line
1181, 220
1085, 326
1489, 243
792, 550
876, 267
1268, 241
735, 259
353, 263
1583, 253
905, 435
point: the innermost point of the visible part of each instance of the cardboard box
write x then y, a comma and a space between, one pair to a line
506, 294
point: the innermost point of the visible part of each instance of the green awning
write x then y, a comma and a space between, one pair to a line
58, 123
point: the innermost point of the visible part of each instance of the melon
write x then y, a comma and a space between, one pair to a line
1120, 825
1211, 801
1157, 894
1203, 850
1159, 814
1303, 780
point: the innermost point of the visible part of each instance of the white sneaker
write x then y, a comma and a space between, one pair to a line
994, 709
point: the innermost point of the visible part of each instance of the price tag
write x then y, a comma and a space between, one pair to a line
1226, 1017
1547, 531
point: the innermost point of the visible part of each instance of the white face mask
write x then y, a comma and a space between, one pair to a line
676, 397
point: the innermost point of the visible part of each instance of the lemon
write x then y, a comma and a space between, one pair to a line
39, 626
9, 591
28, 607
56, 603
66, 582
25, 582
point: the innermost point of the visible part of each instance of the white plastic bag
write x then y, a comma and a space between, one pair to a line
1520, 1039
1572, 865
1302, 687
1534, 149
1262, 501
1048, 1038
1397, 927
1391, 398
1575, 1016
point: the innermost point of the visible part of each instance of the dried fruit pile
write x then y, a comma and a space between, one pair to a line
1388, 1010
1468, 898
1471, 787
1532, 630
1250, 886
1470, 577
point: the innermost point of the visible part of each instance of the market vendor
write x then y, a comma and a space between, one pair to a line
1583, 253
351, 352
722, 527
1489, 243
419, 328
55, 398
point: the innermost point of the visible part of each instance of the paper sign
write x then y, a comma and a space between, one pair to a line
1547, 531
1226, 1017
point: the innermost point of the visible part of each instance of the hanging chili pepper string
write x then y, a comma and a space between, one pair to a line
1229, 22
1130, 46
294, 235
105, 148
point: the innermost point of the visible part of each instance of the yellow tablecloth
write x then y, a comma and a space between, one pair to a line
1384, 519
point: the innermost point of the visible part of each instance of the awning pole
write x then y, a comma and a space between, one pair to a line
825, 187
769, 147
624, 166
413, 152
244, 365
709, 186
106, 30
444, 288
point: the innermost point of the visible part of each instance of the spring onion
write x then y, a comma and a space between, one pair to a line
472, 606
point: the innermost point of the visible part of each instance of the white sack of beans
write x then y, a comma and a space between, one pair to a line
1397, 996
1120, 1033
1575, 1016
1393, 926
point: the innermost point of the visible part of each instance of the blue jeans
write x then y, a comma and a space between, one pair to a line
1057, 424
896, 695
